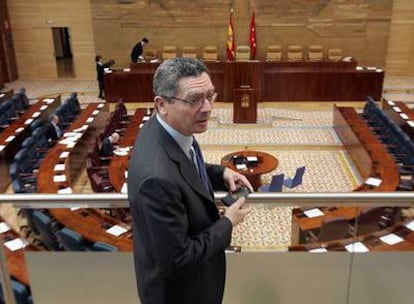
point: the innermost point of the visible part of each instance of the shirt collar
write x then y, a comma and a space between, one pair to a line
185, 142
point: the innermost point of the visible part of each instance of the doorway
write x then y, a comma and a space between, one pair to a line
63, 51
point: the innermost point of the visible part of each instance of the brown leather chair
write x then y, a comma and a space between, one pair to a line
210, 53
189, 51
335, 54
315, 52
295, 52
169, 52
274, 53
242, 53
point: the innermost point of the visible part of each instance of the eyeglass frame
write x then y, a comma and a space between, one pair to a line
198, 102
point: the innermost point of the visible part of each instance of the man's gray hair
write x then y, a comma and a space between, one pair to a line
170, 72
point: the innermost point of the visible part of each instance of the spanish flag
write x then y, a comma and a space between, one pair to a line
231, 43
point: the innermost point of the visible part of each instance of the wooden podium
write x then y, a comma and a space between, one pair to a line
245, 105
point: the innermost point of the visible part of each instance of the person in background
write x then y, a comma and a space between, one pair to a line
100, 72
179, 236
53, 129
136, 53
108, 144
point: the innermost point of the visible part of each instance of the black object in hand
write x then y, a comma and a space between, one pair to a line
234, 196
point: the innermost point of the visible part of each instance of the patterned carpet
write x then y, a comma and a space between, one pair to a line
296, 136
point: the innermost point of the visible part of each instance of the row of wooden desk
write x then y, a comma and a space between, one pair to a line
401, 114
11, 138
371, 160
273, 81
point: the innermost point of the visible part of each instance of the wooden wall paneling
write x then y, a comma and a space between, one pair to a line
44, 52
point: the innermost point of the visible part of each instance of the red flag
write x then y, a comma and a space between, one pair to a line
231, 43
252, 38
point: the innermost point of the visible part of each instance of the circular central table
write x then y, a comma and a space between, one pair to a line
251, 163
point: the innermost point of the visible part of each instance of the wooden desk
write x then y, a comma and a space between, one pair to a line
366, 151
119, 164
11, 139
16, 261
274, 81
75, 161
266, 163
391, 108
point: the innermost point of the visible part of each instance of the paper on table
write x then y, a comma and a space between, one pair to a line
15, 244
391, 239
378, 70
96, 112
141, 125
410, 123
59, 167
59, 178
67, 190
74, 208
356, 247
89, 120
396, 109
100, 106
64, 154
120, 153
2, 94
71, 145
359, 68
126, 70
252, 158
18, 130
4, 227
35, 114
410, 225
44, 107
2, 147
126, 173
145, 118
124, 188
318, 250
391, 103
404, 116
371, 68
241, 167
10, 138
116, 230
48, 100
373, 181
28, 121
315, 212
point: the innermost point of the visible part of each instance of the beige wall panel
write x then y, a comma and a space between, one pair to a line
44, 52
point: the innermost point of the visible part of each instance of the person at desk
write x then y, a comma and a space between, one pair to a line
100, 72
179, 236
108, 144
136, 53
53, 129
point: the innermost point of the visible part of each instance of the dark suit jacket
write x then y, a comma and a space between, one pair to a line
51, 131
100, 69
107, 148
136, 52
179, 238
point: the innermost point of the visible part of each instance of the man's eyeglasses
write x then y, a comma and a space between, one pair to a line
196, 102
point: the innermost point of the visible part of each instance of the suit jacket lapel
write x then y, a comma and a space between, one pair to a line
187, 169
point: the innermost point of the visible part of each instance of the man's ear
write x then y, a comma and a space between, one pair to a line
161, 104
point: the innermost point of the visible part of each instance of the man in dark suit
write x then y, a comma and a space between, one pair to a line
100, 72
179, 236
136, 53
108, 144
53, 129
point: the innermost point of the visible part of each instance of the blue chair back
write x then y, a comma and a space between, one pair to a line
296, 180
275, 184
101, 246
71, 240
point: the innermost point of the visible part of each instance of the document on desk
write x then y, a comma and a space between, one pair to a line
315, 212
35, 114
373, 181
15, 244
67, 190
356, 247
391, 103
49, 100
391, 239
116, 230
410, 225
89, 120
252, 159
318, 250
241, 167
124, 188
2, 147
10, 138
64, 154
396, 109
404, 116
59, 178
4, 227
44, 107
96, 112
100, 106
59, 167
28, 121
18, 130
410, 123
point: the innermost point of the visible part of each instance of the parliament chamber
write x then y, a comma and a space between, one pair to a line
321, 96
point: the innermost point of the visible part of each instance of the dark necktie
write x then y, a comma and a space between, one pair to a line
197, 158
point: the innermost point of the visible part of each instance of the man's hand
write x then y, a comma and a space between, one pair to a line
235, 213
235, 180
